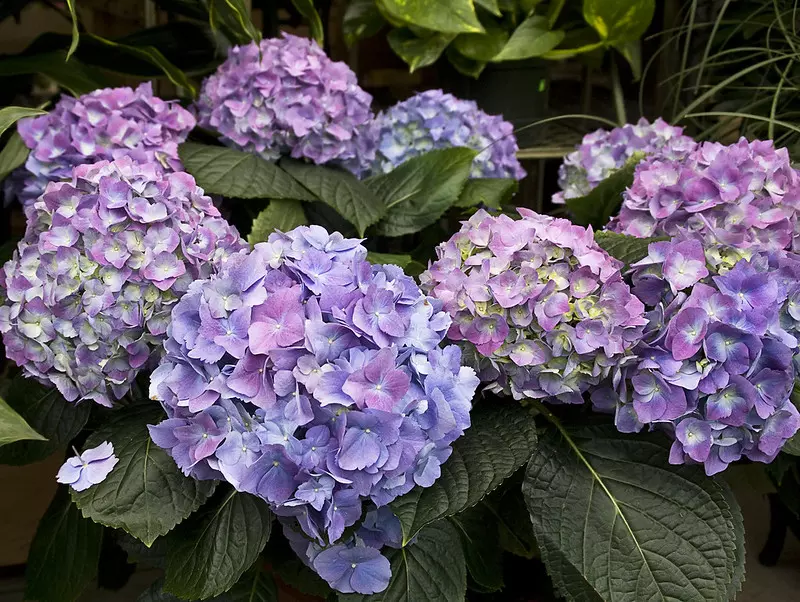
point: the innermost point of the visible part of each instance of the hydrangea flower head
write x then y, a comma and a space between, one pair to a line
103, 125
744, 196
286, 97
87, 296
715, 366
89, 468
304, 375
541, 308
603, 152
433, 120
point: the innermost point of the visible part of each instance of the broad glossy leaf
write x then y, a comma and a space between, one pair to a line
254, 586
464, 65
14, 428
481, 47
491, 5
478, 531
619, 22
615, 521
490, 192
362, 19
340, 190
501, 439
446, 16
64, 553
419, 191
532, 38
145, 494
233, 173
210, 553
628, 249
10, 115
14, 154
310, 14
76, 36
418, 52
280, 215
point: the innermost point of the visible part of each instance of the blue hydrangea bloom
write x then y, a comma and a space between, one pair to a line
286, 97
433, 120
89, 468
304, 375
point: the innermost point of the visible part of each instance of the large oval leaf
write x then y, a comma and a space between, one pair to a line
418, 52
616, 522
532, 38
619, 22
447, 16
13, 427
500, 440
280, 215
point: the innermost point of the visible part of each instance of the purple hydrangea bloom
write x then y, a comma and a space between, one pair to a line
603, 152
539, 306
743, 196
304, 375
89, 468
87, 295
715, 366
433, 120
102, 125
286, 97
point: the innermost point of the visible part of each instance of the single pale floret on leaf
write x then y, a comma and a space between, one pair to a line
89, 468
536, 303
284, 96
304, 375
86, 298
434, 120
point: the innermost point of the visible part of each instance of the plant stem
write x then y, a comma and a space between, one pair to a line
616, 88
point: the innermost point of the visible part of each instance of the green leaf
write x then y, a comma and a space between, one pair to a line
76, 36
292, 571
490, 192
463, 65
515, 533
431, 568
418, 192
49, 414
490, 5
479, 539
482, 47
500, 440
145, 494
597, 207
400, 261
446, 16
615, 521
254, 586
632, 51
792, 446
362, 19
532, 38
209, 554
418, 52
233, 173
14, 428
280, 215
64, 553
619, 22
310, 14
233, 17
73, 76
340, 190
10, 115
14, 154
628, 249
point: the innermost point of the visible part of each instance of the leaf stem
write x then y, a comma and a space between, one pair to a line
619, 97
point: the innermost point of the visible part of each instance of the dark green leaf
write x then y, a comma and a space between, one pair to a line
400, 261
431, 568
463, 65
153, 556
420, 190
628, 249
310, 14
490, 5
73, 76
233, 17
14, 428
233, 173
254, 586
500, 440
291, 570
47, 412
76, 36
615, 521
532, 38
145, 494
513, 522
209, 554
597, 207
619, 22
194, 9
10, 115
446, 16
479, 538
489, 192
341, 191
362, 19
64, 553
14, 154
632, 51
481, 47
418, 52
280, 215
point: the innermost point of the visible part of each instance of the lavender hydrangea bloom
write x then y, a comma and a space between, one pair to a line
304, 375
87, 295
603, 152
745, 195
286, 97
89, 468
102, 125
715, 365
433, 120
541, 308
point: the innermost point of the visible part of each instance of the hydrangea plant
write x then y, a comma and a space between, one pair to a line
105, 124
540, 307
304, 375
715, 365
88, 293
433, 120
603, 152
284, 96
